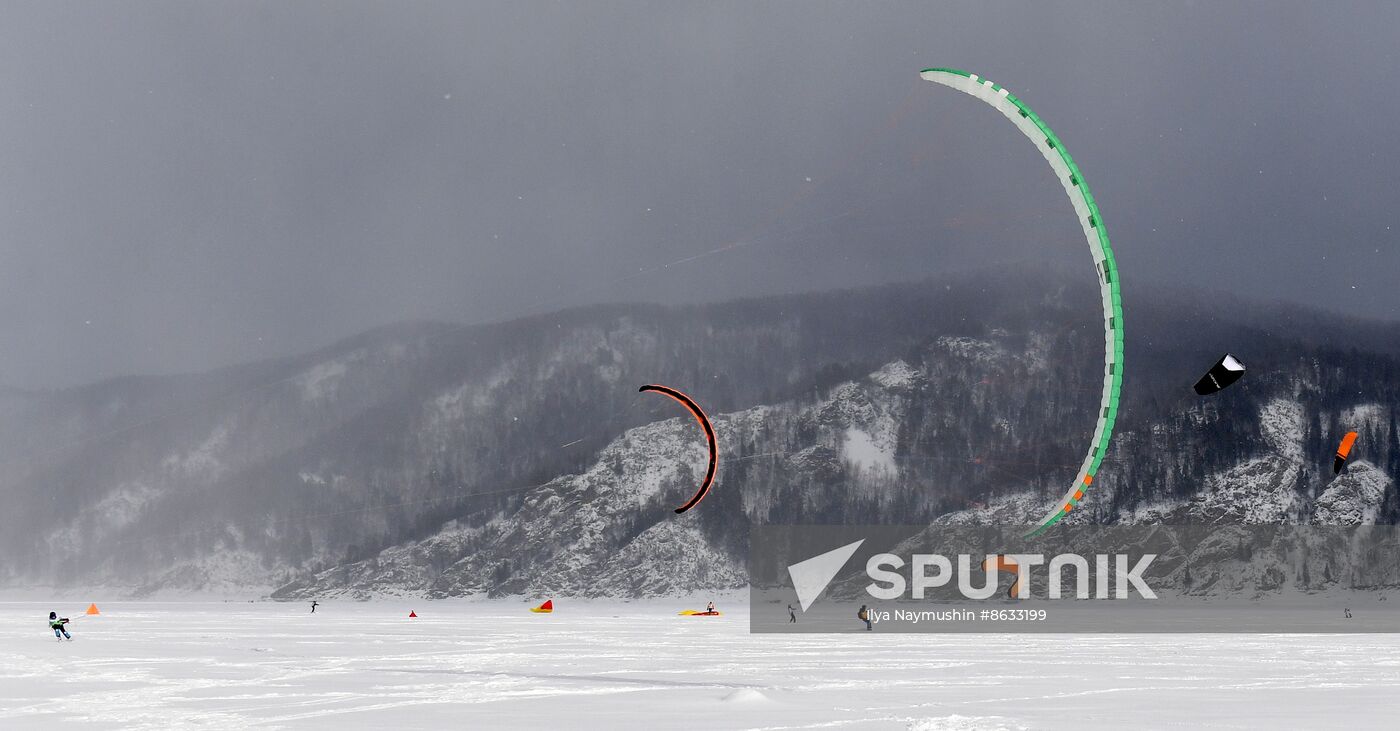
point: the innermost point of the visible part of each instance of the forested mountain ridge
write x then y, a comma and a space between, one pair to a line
518, 458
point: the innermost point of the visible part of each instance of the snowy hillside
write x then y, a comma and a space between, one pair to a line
566, 540
518, 459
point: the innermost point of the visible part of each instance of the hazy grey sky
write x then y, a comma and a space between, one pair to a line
186, 185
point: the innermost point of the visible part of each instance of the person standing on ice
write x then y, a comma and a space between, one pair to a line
313, 606
864, 615
710, 608
792, 615
56, 623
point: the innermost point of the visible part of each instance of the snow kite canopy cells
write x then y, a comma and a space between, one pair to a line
704, 420
1107, 269
1343, 452
1225, 372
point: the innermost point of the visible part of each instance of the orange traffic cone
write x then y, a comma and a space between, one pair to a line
92, 609
412, 613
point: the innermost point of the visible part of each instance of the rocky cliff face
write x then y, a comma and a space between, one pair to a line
607, 531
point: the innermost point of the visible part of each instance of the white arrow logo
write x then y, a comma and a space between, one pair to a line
811, 577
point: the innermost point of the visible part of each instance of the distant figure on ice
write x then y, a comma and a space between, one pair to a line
792, 615
56, 623
710, 608
1347, 612
313, 606
864, 615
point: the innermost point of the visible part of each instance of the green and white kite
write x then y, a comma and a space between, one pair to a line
1073, 181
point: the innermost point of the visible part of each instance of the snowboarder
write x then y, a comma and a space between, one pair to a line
864, 615
56, 623
313, 606
792, 615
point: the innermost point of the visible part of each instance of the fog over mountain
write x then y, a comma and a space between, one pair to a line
190, 185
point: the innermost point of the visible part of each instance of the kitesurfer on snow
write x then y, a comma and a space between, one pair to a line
864, 615
56, 623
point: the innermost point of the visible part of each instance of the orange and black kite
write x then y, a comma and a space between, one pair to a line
704, 420
1343, 452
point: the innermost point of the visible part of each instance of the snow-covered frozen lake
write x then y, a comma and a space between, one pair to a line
165, 665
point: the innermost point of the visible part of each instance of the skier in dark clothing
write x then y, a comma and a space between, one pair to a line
313, 606
57, 624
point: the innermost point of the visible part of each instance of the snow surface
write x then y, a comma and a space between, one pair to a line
980, 351
1281, 421
1355, 498
897, 375
860, 448
1363, 417
465, 664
